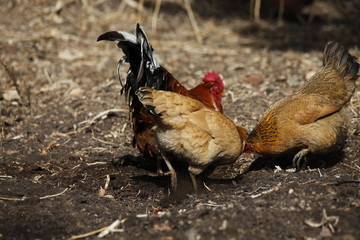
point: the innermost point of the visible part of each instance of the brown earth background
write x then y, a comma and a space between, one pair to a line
65, 129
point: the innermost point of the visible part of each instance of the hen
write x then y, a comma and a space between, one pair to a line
191, 132
145, 70
314, 119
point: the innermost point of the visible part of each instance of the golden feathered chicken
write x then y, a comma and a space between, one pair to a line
314, 119
189, 131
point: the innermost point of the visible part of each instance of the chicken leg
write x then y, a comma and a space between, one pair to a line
194, 182
171, 171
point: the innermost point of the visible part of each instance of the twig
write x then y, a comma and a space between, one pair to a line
212, 205
54, 195
105, 142
319, 172
112, 228
357, 166
91, 121
14, 81
102, 141
275, 188
121, 7
137, 193
87, 234
91, 164
5, 176
193, 21
349, 166
107, 182
123, 127
41, 198
324, 220
102, 231
155, 15
61, 4
102, 190
233, 96
278, 168
257, 7
13, 199
134, 4
49, 147
353, 111
340, 182
187, 6
96, 163
307, 182
141, 7
47, 76
209, 189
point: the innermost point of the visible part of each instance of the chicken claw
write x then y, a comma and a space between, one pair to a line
300, 159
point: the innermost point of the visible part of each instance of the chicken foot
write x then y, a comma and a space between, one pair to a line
170, 172
300, 159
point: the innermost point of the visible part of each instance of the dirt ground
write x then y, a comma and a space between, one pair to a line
65, 129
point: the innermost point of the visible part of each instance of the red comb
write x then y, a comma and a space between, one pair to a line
212, 77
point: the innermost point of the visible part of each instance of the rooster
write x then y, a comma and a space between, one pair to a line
191, 132
145, 71
313, 120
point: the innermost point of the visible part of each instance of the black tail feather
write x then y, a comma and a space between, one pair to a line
144, 69
338, 56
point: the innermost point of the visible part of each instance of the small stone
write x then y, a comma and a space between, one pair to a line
254, 79
11, 94
76, 92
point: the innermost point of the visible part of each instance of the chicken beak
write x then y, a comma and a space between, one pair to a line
248, 148
222, 94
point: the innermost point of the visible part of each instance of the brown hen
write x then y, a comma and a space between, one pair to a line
191, 132
314, 119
